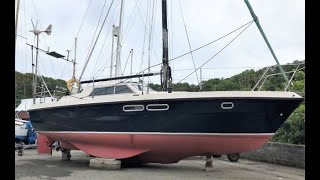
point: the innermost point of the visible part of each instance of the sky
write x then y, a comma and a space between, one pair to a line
202, 21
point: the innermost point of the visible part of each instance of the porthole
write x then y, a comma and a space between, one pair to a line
227, 105
157, 107
132, 108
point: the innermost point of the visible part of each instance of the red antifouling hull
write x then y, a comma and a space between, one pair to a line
155, 147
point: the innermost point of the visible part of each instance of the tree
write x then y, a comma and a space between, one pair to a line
293, 130
23, 86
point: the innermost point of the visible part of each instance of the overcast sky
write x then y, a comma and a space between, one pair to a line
206, 20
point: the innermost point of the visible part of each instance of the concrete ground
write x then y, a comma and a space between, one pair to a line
34, 166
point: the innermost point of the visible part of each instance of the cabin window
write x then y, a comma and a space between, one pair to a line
102, 91
98, 92
111, 90
122, 89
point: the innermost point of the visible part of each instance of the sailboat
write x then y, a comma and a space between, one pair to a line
119, 120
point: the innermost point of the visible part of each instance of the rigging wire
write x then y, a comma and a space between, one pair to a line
153, 35
145, 23
52, 65
145, 31
218, 52
129, 24
44, 83
105, 44
126, 62
185, 27
104, 66
249, 23
100, 71
202, 46
95, 31
43, 67
24, 54
127, 32
150, 39
23, 51
147, 15
85, 14
35, 8
171, 39
41, 77
240, 67
63, 69
86, 63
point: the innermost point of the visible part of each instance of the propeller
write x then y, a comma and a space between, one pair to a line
36, 31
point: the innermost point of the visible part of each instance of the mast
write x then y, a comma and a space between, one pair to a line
117, 66
166, 78
131, 64
75, 58
256, 20
113, 34
200, 85
36, 72
17, 17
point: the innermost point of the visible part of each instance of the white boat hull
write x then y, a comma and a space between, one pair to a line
20, 128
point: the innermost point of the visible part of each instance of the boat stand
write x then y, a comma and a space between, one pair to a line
21, 147
107, 164
66, 156
208, 166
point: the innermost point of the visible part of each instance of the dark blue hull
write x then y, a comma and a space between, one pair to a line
182, 116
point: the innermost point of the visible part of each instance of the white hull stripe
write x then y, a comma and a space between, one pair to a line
157, 133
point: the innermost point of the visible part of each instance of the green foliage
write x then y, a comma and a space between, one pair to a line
185, 87
211, 84
300, 76
293, 130
299, 83
227, 85
23, 86
156, 87
246, 80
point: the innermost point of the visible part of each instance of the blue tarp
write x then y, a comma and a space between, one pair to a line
31, 136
